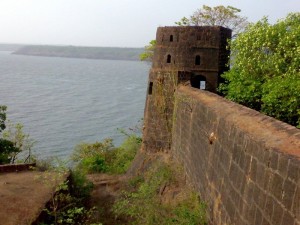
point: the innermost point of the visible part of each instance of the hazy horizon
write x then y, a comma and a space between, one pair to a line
67, 45
111, 23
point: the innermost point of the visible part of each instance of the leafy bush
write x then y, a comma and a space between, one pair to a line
64, 208
125, 154
94, 157
13, 141
21, 141
265, 69
189, 212
3, 109
80, 186
144, 205
105, 157
68, 203
7, 149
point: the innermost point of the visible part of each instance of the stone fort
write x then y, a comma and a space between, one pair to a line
245, 165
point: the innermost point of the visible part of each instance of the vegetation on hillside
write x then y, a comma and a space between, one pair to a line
68, 203
111, 53
104, 157
160, 196
156, 194
265, 72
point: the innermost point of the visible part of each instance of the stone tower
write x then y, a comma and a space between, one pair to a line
193, 55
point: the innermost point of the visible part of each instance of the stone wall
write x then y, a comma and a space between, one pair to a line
182, 55
16, 167
245, 165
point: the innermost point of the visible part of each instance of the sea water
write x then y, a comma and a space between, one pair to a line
64, 101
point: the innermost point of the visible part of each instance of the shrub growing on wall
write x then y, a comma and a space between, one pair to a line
265, 72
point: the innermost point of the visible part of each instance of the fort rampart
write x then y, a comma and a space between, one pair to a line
245, 165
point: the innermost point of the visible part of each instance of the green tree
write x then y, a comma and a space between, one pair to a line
105, 157
7, 147
21, 141
13, 140
147, 55
265, 71
94, 157
2, 117
207, 16
216, 16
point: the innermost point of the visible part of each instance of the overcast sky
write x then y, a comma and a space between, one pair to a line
118, 23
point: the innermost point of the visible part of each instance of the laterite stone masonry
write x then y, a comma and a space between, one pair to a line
244, 164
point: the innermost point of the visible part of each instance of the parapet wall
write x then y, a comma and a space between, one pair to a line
245, 165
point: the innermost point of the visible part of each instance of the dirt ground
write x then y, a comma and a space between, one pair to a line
23, 196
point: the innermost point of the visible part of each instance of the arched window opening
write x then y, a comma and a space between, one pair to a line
197, 60
171, 38
169, 59
198, 81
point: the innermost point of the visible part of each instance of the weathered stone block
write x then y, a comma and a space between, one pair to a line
288, 193
277, 213
276, 186
293, 170
283, 163
253, 169
258, 217
287, 219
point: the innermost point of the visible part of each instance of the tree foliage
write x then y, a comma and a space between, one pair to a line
105, 157
2, 117
21, 141
265, 71
143, 201
216, 16
206, 16
7, 147
147, 55
13, 140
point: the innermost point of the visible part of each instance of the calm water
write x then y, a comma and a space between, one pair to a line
63, 101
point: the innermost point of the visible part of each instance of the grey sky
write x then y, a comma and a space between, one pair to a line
121, 23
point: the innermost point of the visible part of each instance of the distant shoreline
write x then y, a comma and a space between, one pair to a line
110, 53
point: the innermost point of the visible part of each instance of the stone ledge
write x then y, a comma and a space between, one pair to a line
16, 167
